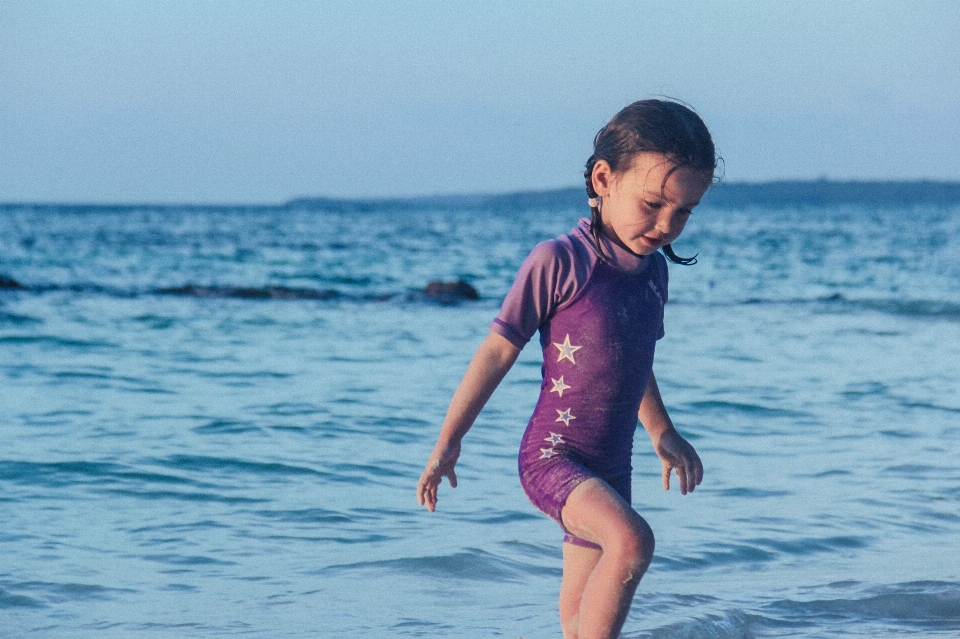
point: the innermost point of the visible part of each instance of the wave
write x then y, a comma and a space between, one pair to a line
444, 293
928, 605
759, 551
912, 608
724, 407
44, 593
70, 473
471, 564
940, 309
734, 624
454, 293
250, 292
8, 283
909, 308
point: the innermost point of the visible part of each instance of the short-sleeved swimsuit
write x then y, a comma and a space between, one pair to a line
599, 319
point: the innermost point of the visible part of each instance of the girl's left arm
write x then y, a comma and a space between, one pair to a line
674, 451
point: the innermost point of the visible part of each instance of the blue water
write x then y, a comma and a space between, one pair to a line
203, 464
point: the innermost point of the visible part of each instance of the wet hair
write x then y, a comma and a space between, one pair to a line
666, 127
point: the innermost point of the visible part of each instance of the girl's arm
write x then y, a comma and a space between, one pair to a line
674, 451
490, 363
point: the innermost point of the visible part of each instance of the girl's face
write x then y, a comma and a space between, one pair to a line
641, 212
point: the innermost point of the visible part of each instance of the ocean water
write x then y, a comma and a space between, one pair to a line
212, 421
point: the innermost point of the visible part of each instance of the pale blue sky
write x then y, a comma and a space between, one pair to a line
248, 102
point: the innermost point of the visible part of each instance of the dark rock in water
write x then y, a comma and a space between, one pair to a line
251, 293
8, 283
450, 292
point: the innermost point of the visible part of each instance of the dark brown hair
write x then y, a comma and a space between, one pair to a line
666, 127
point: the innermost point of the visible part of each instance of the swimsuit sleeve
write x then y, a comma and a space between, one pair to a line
547, 278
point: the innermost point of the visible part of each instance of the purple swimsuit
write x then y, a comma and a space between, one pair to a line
599, 321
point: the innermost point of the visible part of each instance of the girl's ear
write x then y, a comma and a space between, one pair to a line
602, 178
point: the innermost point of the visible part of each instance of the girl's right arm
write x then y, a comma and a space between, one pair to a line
490, 363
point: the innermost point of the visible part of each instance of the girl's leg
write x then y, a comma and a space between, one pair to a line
595, 512
578, 563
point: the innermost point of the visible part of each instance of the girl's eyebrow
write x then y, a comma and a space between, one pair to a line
651, 196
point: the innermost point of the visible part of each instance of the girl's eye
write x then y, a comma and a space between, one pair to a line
654, 205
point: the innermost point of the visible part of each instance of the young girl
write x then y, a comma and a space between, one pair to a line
596, 296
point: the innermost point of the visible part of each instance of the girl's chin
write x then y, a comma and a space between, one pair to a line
642, 249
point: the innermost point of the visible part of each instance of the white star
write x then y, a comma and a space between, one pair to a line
547, 453
566, 350
565, 416
656, 291
559, 386
554, 439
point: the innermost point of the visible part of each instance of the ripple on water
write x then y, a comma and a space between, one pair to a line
740, 408
931, 605
15, 319
469, 565
44, 593
731, 624
752, 553
227, 427
68, 473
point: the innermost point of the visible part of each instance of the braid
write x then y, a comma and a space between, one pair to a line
595, 221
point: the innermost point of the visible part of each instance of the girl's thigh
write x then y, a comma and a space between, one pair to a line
597, 513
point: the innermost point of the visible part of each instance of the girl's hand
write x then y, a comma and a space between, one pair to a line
490, 363
676, 453
440, 465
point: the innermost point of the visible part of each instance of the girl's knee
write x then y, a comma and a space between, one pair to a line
635, 545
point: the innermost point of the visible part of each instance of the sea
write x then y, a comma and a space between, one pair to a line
213, 419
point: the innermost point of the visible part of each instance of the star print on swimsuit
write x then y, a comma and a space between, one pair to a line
564, 417
547, 453
656, 291
559, 386
567, 350
554, 439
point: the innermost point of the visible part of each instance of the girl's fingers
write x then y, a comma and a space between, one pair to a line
687, 464
682, 478
424, 493
429, 483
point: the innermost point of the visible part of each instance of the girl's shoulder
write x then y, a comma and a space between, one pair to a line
572, 251
549, 277
564, 263
561, 253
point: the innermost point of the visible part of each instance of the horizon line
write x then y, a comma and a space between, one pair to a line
464, 198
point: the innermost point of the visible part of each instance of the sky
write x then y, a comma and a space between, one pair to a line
245, 102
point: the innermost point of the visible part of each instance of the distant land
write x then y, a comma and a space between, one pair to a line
831, 193
733, 195
726, 195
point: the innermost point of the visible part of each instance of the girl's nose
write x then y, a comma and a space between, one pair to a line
665, 222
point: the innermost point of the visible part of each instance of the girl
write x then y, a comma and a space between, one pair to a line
596, 296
